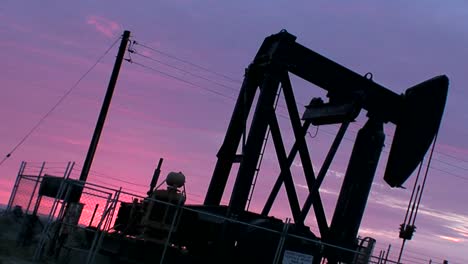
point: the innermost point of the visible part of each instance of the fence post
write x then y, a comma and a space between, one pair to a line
381, 255
171, 229
281, 242
38, 251
70, 168
108, 221
35, 186
94, 214
388, 252
15, 186
98, 227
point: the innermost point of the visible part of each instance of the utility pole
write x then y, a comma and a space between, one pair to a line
105, 107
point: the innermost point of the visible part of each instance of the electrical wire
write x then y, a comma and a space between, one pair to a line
184, 71
315, 134
131, 50
279, 115
102, 175
187, 62
182, 80
285, 117
33, 129
412, 252
301, 104
105, 176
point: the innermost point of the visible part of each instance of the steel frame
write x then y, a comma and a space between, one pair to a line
269, 70
279, 56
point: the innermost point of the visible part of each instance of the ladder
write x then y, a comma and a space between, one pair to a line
262, 152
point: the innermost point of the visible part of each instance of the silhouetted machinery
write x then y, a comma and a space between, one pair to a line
417, 115
149, 220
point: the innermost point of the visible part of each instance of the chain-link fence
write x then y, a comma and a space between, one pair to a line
25, 194
62, 220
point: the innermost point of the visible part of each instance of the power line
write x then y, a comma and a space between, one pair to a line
438, 258
451, 156
444, 154
187, 62
131, 50
280, 115
231, 79
117, 179
31, 131
105, 176
450, 164
450, 173
182, 80
184, 71
435, 151
431, 167
102, 175
114, 185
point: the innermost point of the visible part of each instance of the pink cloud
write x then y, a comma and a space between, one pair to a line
379, 233
69, 140
104, 26
452, 239
461, 230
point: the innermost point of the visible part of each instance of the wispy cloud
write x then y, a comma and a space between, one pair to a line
66, 139
381, 233
104, 26
452, 239
462, 230
456, 223
389, 201
337, 174
322, 190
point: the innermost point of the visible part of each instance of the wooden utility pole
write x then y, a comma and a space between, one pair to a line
105, 107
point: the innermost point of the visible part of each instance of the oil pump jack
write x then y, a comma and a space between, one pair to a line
417, 115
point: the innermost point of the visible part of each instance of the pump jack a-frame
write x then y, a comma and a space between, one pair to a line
417, 115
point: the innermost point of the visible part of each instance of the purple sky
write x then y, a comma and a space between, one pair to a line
47, 45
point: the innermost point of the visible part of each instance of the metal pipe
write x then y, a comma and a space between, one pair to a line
155, 178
